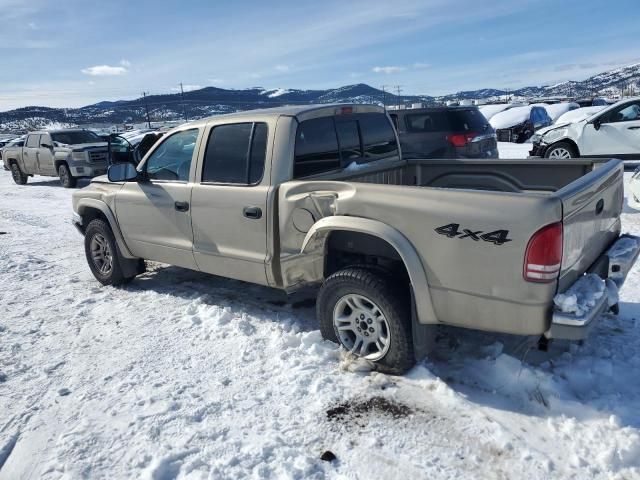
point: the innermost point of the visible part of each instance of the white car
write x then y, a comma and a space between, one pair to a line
612, 132
634, 190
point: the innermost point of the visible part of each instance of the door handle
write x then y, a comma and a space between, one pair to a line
182, 206
252, 212
633, 128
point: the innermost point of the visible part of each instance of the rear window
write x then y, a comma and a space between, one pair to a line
468, 120
329, 143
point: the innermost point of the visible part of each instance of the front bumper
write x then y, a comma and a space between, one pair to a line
538, 150
620, 258
87, 170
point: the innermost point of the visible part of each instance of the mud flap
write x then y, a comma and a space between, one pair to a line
424, 336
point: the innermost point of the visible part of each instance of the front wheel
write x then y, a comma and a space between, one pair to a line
361, 311
66, 179
18, 177
561, 151
102, 254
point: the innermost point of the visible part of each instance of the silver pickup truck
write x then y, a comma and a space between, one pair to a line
68, 154
320, 195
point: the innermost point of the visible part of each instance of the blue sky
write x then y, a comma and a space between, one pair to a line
73, 53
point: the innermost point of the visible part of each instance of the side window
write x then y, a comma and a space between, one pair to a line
378, 136
32, 141
625, 113
45, 138
316, 148
172, 159
236, 154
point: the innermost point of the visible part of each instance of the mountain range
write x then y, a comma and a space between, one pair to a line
212, 100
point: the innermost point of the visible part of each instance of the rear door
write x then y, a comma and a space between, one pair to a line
229, 201
619, 133
591, 218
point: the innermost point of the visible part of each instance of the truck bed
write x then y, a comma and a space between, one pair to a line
513, 197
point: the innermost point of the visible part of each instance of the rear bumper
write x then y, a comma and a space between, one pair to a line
620, 258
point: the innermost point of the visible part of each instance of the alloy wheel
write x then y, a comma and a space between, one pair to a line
361, 327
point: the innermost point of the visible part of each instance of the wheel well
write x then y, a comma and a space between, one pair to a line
565, 140
57, 163
348, 249
90, 214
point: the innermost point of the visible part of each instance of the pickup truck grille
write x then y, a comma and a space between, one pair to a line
504, 135
97, 157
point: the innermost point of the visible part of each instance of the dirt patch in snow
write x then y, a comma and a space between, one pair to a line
362, 408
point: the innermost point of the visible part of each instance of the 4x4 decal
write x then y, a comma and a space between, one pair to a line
497, 237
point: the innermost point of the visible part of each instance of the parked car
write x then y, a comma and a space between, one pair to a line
555, 110
519, 123
594, 102
576, 115
131, 148
612, 132
490, 110
68, 154
445, 132
8, 150
634, 190
302, 196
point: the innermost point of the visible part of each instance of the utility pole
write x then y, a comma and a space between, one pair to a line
184, 108
146, 107
384, 97
399, 91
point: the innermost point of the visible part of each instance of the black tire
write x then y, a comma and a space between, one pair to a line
559, 147
18, 177
394, 304
66, 179
114, 276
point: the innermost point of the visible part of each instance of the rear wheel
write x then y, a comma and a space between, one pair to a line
561, 151
66, 179
102, 254
18, 177
360, 310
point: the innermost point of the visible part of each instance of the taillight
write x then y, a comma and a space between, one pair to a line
543, 258
461, 139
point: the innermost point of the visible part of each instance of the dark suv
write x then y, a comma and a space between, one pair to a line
445, 132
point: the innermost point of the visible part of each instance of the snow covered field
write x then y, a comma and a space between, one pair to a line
185, 375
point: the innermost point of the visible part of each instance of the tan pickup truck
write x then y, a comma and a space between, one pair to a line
320, 195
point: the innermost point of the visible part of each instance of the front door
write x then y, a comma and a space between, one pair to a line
619, 133
44, 155
155, 213
229, 203
29, 154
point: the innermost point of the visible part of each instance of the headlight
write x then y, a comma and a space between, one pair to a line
79, 156
535, 138
553, 135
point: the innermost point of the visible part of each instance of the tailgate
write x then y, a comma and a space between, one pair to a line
591, 208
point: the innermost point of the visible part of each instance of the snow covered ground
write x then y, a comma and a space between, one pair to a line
185, 375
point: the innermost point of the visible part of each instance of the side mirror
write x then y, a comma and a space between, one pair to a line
122, 172
596, 123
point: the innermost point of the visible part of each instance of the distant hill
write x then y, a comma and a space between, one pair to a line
212, 100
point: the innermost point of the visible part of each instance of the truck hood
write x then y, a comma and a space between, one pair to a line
81, 147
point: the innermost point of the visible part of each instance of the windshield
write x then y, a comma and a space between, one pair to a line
76, 137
